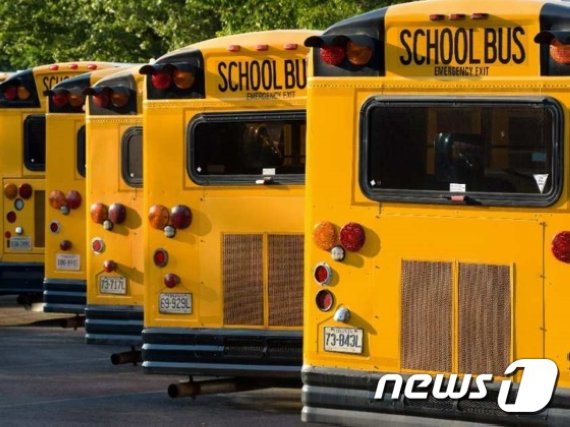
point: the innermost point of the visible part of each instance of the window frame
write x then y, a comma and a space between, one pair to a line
35, 167
240, 179
471, 197
130, 133
81, 155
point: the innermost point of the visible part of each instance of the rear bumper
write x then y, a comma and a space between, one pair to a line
223, 352
21, 278
347, 398
114, 324
65, 296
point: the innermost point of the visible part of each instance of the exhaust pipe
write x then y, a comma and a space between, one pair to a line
193, 389
133, 356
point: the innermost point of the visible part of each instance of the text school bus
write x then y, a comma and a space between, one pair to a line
224, 162
22, 171
114, 313
438, 240
65, 262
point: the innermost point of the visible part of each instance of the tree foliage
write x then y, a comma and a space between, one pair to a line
39, 32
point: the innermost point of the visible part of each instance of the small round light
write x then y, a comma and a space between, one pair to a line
119, 97
332, 55
180, 217
99, 212
108, 225
169, 231
97, 245
19, 230
183, 79
19, 204
324, 300
73, 199
64, 210
161, 80
76, 100
23, 93
158, 216
322, 273
65, 245
109, 266
54, 67
91, 66
101, 99
25, 191
337, 253
117, 213
10, 191
160, 258
56, 199
352, 236
171, 280
358, 54
325, 235
342, 315
54, 227
73, 66
561, 246
7, 234
11, 217
10, 93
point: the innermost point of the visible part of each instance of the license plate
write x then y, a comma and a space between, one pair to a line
67, 262
21, 243
116, 285
343, 340
175, 303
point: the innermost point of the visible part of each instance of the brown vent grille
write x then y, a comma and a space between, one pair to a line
242, 262
285, 280
39, 218
426, 316
484, 318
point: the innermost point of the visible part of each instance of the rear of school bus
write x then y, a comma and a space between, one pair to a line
114, 313
22, 171
65, 262
224, 157
437, 213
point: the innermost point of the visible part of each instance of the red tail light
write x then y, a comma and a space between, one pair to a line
352, 236
97, 245
54, 227
180, 217
11, 217
25, 191
73, 199
56, 199
117, 213
322, 273
109, 266
10, 191
10, 93
333, 55
7, 234
324, 300
171, 280
158, 216
101, 99
160, 258
161, 80
561, 246
65, 245
99, 212
60, 99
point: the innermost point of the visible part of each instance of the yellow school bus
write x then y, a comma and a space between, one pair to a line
114, 312
65, 262
22, 171
224, 161
436, 214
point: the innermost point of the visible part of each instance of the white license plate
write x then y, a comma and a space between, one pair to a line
67, 262
21, 243
343, 340
175, 303
115, 285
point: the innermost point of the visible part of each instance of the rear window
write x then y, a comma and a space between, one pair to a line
80, 149
35, 142
488, 152
132, 157
247, 148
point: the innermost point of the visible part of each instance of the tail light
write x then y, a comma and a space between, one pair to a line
56, 199
561, 246
161, 80
65, 245
76, 100
333, 55
99, 212
101, 99
119, 97
163, 76
117, 213
11, 217
160, 258
60, 99
180, 217
325, 235
560, 52
322, 273
324, 300
98, 245
158, 216
352, 236
10, 191
183, 79
358, 54
25, 191
23, 93
10, 93
7, 234
171, 280
54, 227
109, 266
73, 199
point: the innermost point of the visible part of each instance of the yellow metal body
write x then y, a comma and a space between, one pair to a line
65, 269
27, 258
370, 283
106, 135
196, 254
